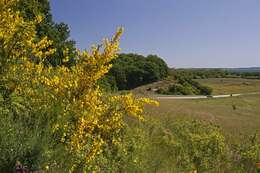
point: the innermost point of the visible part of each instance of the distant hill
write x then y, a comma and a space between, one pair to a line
243, 70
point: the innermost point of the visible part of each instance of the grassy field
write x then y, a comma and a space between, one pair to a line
238, 119
231, 85
237, 116
219, 85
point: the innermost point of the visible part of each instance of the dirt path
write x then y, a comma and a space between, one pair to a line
204, 97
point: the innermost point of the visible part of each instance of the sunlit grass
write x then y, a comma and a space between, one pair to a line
230, 85
243, 120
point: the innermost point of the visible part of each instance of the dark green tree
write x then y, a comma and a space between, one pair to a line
132, 70
59, 33
162, 66
119, 74
152, 72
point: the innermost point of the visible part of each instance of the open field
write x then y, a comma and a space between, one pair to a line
231, 85
237, 116
220, 86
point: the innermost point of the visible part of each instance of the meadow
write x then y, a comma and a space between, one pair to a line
197, 130
231, 85
235, 115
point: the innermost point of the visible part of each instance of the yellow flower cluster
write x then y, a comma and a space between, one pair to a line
134, 107
18, 37
89, 119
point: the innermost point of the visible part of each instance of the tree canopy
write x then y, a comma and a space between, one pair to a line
59, 33
132, 70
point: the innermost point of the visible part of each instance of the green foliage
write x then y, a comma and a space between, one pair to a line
179, 89
203, 90
163, 68
199, 73
57, 32
184, 145
168, 145
205, 73
186, 86
27, 123
108, 83
23, 137
27, 136
132, 70
250, 75
179, 146
198, 146
247, 154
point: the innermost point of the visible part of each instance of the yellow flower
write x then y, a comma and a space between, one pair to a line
86, 116
46, 167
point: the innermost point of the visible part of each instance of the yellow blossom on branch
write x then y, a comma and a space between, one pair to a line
85, 119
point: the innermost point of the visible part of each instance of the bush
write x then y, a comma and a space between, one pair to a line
197, 146
186, 86
57, 119
182, 146
108, 84
205, 90
179, 90
247, 154
25, 135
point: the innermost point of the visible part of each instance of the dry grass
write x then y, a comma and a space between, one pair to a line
231, 85
237, 116
243, 120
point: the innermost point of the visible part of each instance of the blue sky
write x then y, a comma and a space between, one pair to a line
185, 33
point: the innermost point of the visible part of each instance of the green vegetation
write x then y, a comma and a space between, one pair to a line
239, 128
231, 85
203, 82
55, 118
202, 135
205, 73
180, 146
243, 120
186, 86
59, 33
132, 70
197, 73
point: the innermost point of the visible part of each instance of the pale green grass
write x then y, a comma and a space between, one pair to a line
244, 120
231, 85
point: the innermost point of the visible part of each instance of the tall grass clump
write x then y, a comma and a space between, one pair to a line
184, 146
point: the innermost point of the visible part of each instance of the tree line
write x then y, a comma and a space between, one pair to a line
205, 73
132, 70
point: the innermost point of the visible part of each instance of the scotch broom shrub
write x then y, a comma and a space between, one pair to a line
60, 120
